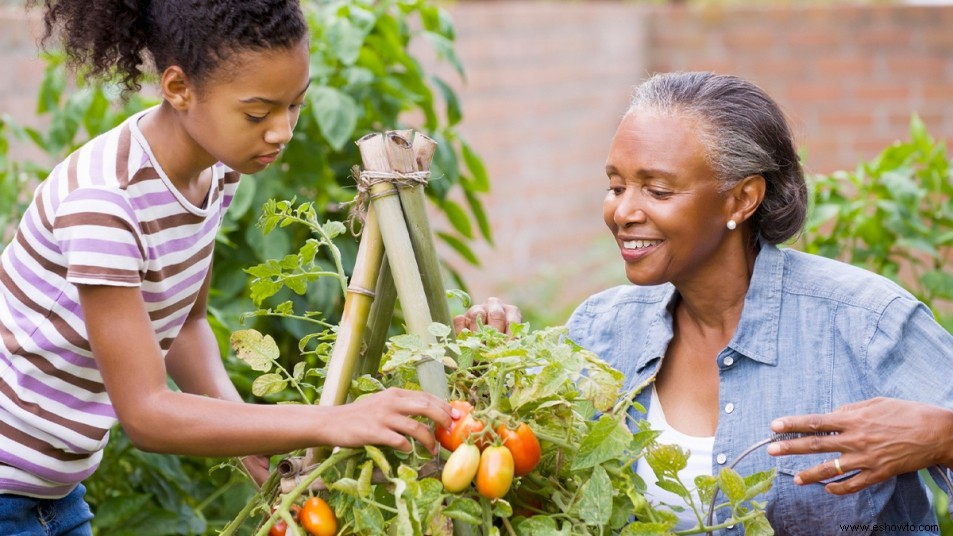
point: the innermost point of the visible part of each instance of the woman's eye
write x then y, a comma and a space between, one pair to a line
256, 118
659, 194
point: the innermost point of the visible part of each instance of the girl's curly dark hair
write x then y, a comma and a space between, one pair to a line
124, 38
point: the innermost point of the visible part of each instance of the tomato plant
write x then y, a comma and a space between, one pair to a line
530, 394
317, 518
460, 468
495, 475
461, 428
523, 445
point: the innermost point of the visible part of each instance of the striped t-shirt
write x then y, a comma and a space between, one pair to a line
107, 215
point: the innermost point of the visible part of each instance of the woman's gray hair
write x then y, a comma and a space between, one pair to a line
745, 133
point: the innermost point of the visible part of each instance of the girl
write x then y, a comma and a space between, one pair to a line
103, 290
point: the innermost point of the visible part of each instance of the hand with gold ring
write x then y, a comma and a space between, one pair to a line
878, 438
837, 466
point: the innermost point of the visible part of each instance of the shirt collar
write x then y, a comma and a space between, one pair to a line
757, 334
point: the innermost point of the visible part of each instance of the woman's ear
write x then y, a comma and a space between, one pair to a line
746, 197
176, 88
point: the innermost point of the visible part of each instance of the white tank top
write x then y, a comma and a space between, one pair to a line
699, 463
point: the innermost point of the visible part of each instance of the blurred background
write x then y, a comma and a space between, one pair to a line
546, 83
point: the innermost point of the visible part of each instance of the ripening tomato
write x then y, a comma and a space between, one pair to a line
495, 473
279, 528
523, 445
317, 518
460, 429
460, 468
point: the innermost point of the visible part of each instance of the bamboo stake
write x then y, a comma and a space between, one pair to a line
413, 200
378, 323
357, 304
393, 152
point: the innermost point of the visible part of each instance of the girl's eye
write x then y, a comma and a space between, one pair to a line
256, 118
297, 107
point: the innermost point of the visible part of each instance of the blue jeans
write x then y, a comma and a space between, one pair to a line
29, 516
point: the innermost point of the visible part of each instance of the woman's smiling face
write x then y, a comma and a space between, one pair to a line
663, 205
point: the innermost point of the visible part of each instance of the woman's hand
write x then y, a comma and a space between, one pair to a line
881, 438
493, 313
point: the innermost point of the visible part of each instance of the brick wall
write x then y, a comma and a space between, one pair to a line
849, 78
547, 83
20, 67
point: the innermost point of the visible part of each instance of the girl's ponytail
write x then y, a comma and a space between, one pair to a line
102, 37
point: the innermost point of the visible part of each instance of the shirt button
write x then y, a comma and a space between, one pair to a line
729, 361
721, 458
729, 407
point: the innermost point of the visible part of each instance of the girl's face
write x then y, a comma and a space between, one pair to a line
663, 204
246, 112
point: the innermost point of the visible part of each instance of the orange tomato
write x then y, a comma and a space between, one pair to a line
495, 474
460, 429
460, 468
523, 445
317, 518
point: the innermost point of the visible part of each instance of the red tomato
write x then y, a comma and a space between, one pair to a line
495, 473
460, 429
524, 447
317, 518
279, 528
460, 468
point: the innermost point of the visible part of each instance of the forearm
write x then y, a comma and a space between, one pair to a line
947, 428
183, 423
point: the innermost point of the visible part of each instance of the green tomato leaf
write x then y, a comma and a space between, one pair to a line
758, 483
377, 455
732, 485
595, 506
348, 486
259, 351
464, 509
268, 384
667, 460
368, 519
607, 440
758, 526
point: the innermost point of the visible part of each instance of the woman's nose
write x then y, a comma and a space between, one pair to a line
628, 209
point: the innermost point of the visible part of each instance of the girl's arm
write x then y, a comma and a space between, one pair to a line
161, 420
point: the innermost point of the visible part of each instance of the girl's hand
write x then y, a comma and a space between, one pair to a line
493, 313
388, 419
881, 438
258, 468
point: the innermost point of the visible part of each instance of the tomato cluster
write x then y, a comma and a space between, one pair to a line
316, 517
473, 456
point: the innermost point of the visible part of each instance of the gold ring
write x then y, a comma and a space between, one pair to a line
837, 466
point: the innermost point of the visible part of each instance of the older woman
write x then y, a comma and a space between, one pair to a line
732, 332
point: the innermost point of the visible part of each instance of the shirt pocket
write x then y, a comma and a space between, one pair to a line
810, 510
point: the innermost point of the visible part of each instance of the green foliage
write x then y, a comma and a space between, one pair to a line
894, 216
571, 399
135, 493
584, 483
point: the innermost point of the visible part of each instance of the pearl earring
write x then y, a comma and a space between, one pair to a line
732, 225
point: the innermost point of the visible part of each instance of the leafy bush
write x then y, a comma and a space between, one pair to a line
893, 216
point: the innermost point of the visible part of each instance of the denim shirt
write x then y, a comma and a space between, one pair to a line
814, 334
